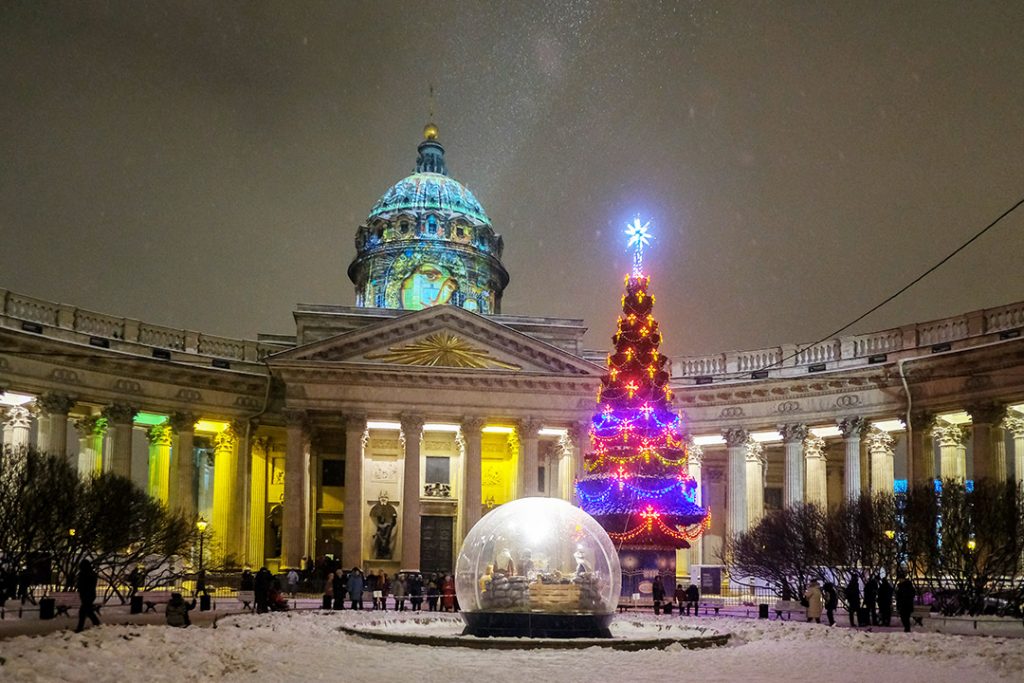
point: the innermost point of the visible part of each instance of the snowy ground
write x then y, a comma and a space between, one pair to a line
304, 646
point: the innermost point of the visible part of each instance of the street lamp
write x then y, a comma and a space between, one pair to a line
890, 534
201, 525
204, 599
972, 544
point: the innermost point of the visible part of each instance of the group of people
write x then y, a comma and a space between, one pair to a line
876, 609
411, 587
685, 598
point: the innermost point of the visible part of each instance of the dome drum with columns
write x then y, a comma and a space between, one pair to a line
427, 242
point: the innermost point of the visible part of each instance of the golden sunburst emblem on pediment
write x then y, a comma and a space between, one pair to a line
441, 349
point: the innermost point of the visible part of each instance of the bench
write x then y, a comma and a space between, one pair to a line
789, 607
152, 600
920, 613
248, 600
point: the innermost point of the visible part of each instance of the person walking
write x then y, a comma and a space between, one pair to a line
355, 588
852, 595
338, 587
831, 598
871, 599
905, 595
692, 599
813, 597
176, 611
293, 582
658, 594
261, 589
87, 579
885, 602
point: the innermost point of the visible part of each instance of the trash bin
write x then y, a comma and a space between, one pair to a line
327, 602
762, 611
204, 602
667, 607
47, 608
136, 604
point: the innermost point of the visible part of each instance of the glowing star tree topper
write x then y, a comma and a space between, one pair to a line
639, 237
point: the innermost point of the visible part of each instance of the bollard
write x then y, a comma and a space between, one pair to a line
136, 605
47, 608
762, 610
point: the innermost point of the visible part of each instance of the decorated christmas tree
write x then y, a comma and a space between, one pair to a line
635, 480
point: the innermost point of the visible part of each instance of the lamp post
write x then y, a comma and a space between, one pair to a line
204, 598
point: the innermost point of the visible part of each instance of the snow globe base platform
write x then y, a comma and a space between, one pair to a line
528, 625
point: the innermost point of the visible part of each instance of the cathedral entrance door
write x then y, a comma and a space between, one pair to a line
436, 544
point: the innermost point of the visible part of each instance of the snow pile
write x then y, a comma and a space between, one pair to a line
308, 647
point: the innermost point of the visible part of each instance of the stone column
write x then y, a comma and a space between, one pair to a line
91, 430
793, 436
817, 471
223, 520
241, 491
694, 460
119, 418
472, 484
580, 435
352, 534
952, 463
736, 441
528, 449
987, 441
922, 447
1014, 422
53, 432
293, 517
882, 453
851, 428
412, 430
256, 552
756, 462
18, 427
159, 437
181, 490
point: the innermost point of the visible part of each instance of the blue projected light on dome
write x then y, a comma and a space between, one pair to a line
429, 191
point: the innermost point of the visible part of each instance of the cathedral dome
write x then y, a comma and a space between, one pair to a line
428, 241
429, 191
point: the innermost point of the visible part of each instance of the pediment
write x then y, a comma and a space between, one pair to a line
441, 337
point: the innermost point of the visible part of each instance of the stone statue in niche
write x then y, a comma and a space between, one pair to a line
385, 516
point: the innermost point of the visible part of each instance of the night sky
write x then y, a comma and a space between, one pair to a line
206, 165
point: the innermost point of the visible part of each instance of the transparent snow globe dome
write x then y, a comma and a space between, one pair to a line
538, 555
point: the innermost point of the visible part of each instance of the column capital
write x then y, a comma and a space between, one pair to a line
735, 437
240, 427
988, 413
793, 433
852, 427
472, 425
355, 421
55, 403
225, 440
880, 442
529, 426
694, 453
948, 434
754, 451
91, 425
412, 422
1014, 422
294, 417
579, 432
922, 420
19, 416
159, 435
120, 413
182, 422
814, 447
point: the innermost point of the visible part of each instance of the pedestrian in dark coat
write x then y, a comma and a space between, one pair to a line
658, 594
885, 602
355, 588
831, 601
261, 587
680, 598
415, 584
692, 599
871, 599
905, 595
87, 579
338, 588
433, 592
853, 598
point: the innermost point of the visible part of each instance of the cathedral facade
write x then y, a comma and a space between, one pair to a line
382, 432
